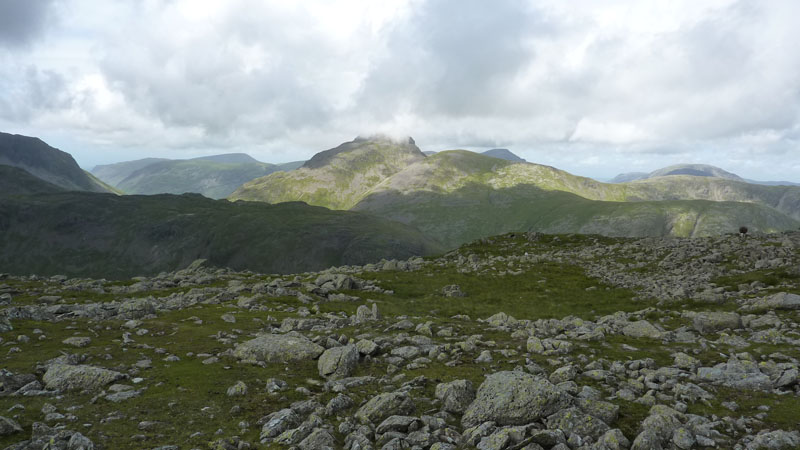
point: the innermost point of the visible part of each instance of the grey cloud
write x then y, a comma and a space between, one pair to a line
454, 58
36, 92
22, 21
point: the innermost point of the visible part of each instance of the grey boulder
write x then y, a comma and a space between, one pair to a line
64, 377
456, 395
383, 406
338, 362
278, 348
514, 398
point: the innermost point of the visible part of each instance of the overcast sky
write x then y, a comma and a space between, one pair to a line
596, 87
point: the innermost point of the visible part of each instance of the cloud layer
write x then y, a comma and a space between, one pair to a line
593, 86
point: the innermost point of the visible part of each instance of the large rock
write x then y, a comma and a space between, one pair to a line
382, 406
642, 329
738, 374
319, 439
43, 436
712, 322
577, 421
781, 300
456, 396
338, 362
137, 308
9, 426
64, 377
775, 440
278, 348
514, 398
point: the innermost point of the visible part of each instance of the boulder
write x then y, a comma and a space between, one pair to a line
642, 329
514, 398
319, 439
775, 440
9, 426
780, 301
713, 322
456, 395
577, 421
278, 422
338, 362
77, 341
367, 347
239, 389
382, 406
278, 348
453, 290
738, 374
137, 308
65, 377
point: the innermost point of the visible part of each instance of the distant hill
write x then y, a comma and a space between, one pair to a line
503, 153
698, 170
337, 178
113, 174
229, 158
215, 176
628, 177
47, 163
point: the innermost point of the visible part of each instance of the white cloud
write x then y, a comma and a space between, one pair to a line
592, 86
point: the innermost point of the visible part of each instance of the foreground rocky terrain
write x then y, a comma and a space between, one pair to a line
522, 341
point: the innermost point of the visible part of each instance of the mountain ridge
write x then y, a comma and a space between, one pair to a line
48, 163
215, 176
477, 189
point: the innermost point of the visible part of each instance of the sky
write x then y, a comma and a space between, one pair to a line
595, 87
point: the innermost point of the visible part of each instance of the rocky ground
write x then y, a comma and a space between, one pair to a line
522, 341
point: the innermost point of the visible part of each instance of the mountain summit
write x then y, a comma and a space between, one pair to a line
503, 153
337, 178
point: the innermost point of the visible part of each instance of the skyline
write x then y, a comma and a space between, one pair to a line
597, 88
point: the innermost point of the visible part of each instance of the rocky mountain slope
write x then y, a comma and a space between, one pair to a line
337, 178
214, 176
518, 341
457, 196
48, 163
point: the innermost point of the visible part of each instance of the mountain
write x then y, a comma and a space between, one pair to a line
629, 176
456, 196
229, 158
209, 178
503, 153
47, 163
215, 176
699, 170
15, 181
337, 178
113, 174
104, 235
